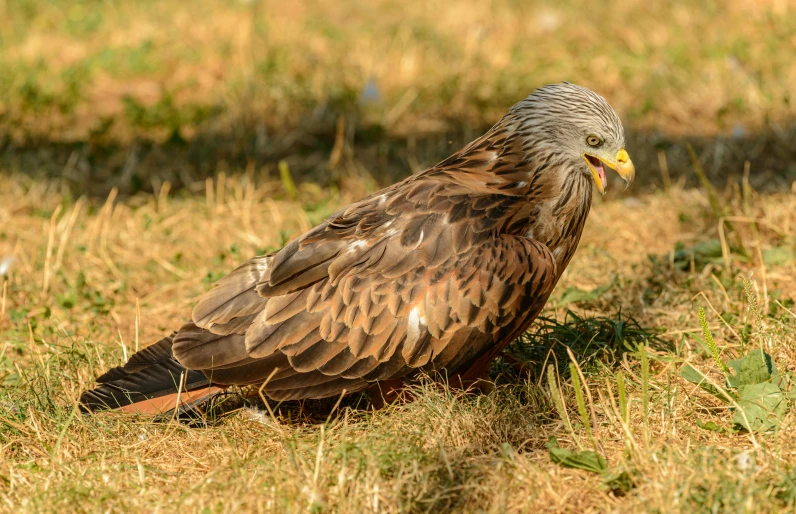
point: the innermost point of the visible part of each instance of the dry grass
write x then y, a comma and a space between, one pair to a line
70, 310
134, 93
693, 69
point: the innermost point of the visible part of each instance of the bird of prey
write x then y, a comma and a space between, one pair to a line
437, 272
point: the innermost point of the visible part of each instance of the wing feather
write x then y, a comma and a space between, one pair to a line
234, 295
418, 275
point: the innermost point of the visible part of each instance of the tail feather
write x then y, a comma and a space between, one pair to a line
185, 401
150, 382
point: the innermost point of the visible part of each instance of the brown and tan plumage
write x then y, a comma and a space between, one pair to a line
439, 271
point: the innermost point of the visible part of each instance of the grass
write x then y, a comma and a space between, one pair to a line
82, 62
91, 281
150, 147
114, 93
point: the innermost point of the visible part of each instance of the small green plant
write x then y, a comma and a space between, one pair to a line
645, 388
694, 257
587, 460
287, 180
591, 338
574, 294
755, 391
714, 350
584, 415
619, 480
558, 399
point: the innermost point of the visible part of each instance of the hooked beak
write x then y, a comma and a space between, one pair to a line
623, 165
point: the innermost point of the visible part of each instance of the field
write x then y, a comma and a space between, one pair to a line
147, 148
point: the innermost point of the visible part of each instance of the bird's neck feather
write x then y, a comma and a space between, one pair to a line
549, 197
553, 196
557, 219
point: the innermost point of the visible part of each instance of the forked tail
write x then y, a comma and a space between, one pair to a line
151, 382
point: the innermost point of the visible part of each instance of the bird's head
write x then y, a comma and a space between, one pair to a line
572, 123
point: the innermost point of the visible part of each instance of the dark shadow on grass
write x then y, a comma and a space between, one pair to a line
590, 339
293, 412
95, 166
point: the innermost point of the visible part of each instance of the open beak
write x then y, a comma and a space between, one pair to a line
623, 165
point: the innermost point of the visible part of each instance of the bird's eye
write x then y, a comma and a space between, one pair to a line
593, 141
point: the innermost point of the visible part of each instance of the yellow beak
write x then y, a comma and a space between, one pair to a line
623, 166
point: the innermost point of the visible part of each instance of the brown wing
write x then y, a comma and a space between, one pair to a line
419, 274
369, 296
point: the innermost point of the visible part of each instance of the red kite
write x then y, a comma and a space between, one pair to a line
437, 272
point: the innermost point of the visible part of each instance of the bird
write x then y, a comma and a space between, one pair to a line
436, 273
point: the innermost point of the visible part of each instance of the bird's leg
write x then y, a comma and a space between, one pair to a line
385, 392
474, 380
476, 377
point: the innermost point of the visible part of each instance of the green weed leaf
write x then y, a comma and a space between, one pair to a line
701, 254
713, 427
695, 377
587, 460
620, 482
761, 402
778, 256
575, 294
761, 407
753, 368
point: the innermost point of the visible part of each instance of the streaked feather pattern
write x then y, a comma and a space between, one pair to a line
439, 271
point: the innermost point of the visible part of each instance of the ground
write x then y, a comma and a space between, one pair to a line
90, 283
149, 148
